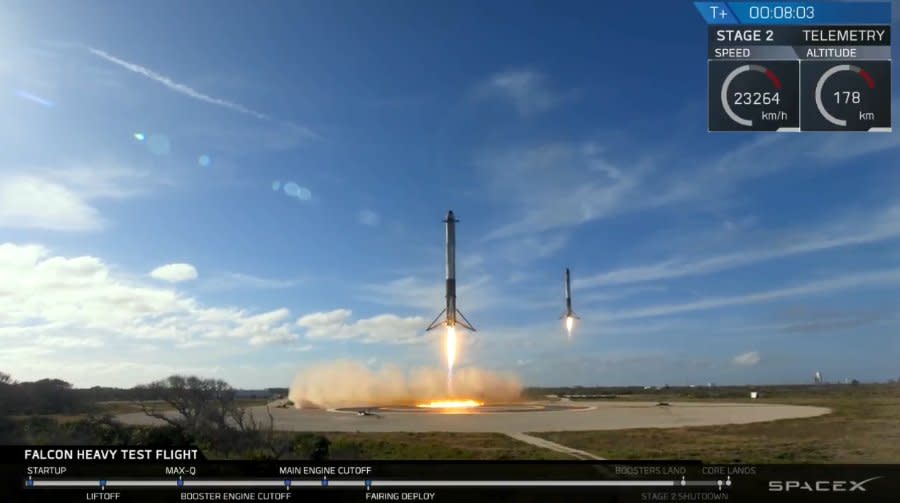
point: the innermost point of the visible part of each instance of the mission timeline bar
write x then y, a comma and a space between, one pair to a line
368, 484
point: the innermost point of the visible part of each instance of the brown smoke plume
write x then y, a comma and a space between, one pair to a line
349, 383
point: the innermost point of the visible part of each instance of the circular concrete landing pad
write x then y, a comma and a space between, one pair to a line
531, 416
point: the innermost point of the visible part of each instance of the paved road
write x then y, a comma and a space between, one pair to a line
553, 446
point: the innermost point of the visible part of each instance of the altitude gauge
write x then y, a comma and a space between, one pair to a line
846, 96
754, 95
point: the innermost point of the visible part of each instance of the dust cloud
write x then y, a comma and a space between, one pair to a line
349, 383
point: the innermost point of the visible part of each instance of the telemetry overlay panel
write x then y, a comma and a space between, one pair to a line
799, 66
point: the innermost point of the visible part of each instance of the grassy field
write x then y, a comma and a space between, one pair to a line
433, 446
863, 428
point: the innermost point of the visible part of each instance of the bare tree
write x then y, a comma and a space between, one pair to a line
197, 402
208, 410
275, 445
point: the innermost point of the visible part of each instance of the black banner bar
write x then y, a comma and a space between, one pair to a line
29, 475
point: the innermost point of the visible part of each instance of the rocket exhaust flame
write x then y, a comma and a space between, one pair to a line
451, 350
569, 322
450, 404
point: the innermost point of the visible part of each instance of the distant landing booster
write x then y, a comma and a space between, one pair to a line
569, 314
451, 316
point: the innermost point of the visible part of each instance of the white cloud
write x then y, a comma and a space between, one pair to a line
33, 203
104, 179
61, 199
272, 338
69, 342
174, 273
557, 185
527, 90
189, 91
383, 328
748, 359
236, 281
324, 319
368, 217
888, 277
619, 293
526, 249
562, 184
45, 298
862, 229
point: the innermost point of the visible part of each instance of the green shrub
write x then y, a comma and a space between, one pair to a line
311, 446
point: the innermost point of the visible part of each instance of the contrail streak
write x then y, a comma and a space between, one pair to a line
34, 98
191, 92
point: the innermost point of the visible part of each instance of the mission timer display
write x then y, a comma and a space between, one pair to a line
798, 66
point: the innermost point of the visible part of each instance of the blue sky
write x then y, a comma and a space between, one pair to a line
242, 191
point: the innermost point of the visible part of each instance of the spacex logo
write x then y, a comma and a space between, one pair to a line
820, 486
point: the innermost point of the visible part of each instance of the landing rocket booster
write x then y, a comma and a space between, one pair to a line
451, 315
569, 312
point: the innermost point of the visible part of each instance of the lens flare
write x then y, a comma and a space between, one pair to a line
451, 404
569, 322
451, 348
159, 144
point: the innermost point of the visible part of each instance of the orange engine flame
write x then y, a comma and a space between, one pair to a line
569, 322
451, 404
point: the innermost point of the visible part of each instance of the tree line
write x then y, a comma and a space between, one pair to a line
193, 411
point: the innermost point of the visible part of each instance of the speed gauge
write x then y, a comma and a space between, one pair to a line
753, 96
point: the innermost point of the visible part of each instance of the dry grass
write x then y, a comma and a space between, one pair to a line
864, 428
